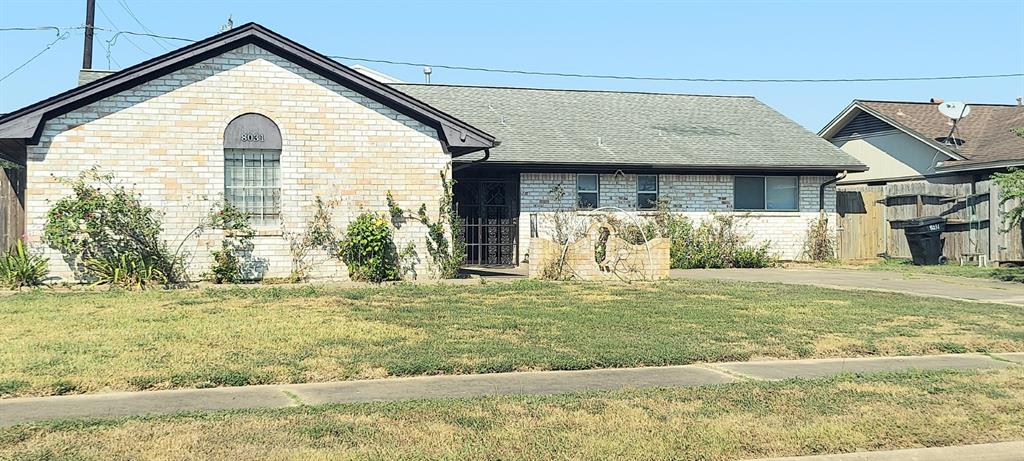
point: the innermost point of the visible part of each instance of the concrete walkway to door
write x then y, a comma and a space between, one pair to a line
971, 289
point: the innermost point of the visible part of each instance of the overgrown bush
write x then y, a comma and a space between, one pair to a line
102, 225
715, 243
369, 251
19, 268
446, 254
634, 233
820, 244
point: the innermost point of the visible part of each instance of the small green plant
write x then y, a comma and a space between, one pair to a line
226, 266
369, 251
19, 268
820, 244
319, 234
753, 257
125, 271
446, 254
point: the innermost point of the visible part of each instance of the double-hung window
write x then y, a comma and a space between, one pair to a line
646, 191
766, 193
588, 189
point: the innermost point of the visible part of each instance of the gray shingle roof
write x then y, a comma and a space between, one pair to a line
619, 128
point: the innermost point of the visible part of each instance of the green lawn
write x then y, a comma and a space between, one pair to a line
56, 343
733, 421
1009, 274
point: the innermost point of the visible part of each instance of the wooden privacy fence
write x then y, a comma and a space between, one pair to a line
871, 220
12, 209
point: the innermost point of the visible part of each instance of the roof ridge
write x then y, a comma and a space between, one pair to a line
572, 90
934, 104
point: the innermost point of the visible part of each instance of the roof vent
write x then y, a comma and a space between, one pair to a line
937, 101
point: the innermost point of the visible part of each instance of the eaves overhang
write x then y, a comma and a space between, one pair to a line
27, 123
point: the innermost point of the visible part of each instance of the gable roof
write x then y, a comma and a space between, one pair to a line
986, 133
576, 128
27, 123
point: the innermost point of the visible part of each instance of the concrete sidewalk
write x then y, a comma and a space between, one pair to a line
1003, 451
20, 410
970, 289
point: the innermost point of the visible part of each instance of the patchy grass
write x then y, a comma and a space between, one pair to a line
733, 421
1008, 274
62, 343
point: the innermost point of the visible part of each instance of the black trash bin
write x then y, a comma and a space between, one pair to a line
924, 235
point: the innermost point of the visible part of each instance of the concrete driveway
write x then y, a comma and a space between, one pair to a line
861, 279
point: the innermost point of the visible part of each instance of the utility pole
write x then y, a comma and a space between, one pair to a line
90, 25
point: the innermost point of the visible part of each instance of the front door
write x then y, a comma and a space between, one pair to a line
488, 207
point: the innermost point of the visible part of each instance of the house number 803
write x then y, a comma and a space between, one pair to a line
252, 136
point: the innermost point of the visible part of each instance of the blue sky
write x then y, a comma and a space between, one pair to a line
739, 39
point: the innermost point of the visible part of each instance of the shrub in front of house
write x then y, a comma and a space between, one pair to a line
716, 243
225, 264
126, 270
105, 232
19, 268
820, 244
369, 251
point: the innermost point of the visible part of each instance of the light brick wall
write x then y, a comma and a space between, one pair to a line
165, 139
694, 196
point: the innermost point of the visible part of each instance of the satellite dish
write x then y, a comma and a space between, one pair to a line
955, 110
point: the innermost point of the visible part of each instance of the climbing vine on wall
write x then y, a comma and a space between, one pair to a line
447, 254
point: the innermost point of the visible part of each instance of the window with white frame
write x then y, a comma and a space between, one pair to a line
646, 191
766, 193
588, 189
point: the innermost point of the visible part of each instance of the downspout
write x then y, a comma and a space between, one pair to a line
487, 155
821, 190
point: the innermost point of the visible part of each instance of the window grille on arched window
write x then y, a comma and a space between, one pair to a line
252, 167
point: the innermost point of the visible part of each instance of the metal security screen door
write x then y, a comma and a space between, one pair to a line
489, 212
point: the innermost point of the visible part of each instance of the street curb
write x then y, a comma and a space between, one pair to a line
1002, 451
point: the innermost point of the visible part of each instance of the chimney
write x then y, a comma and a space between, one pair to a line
936, 101
91, 75
1020, 101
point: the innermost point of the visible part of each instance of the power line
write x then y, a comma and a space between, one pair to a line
112, 24
679, 79
144, 34
594, 76
11, 29
40, 53
124, 5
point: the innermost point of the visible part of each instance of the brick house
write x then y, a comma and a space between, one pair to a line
269, 125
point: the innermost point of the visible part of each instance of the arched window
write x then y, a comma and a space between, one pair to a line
252, 167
